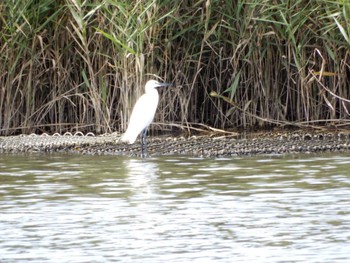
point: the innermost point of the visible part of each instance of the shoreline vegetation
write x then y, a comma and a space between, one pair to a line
73, 65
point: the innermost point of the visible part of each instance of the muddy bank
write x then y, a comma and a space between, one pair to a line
203, 146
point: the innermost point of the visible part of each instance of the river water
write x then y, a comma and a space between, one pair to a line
75, 208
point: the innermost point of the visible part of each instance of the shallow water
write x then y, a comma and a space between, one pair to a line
74, 208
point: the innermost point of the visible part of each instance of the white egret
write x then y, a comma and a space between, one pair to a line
142, 115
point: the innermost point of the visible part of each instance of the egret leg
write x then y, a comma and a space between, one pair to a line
144, 143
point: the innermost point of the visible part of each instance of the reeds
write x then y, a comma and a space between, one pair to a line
80, 65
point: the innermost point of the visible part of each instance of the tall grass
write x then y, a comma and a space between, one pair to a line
80, 65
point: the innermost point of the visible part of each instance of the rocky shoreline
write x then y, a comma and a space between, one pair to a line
210, 145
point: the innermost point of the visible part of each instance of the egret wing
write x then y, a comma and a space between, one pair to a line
141, 116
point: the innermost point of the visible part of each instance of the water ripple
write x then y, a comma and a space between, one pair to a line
99, 209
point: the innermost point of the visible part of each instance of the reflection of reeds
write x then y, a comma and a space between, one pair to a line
80, 65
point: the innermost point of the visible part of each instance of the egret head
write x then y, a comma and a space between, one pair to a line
152, 84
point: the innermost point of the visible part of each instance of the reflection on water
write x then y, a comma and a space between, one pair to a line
141, 174
69, 208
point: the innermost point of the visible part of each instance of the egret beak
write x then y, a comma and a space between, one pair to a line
166, 85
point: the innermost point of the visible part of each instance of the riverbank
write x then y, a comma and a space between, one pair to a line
210, 145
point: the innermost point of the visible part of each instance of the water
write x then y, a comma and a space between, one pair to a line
72, 208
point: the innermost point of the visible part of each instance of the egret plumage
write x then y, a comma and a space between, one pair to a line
142, 115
